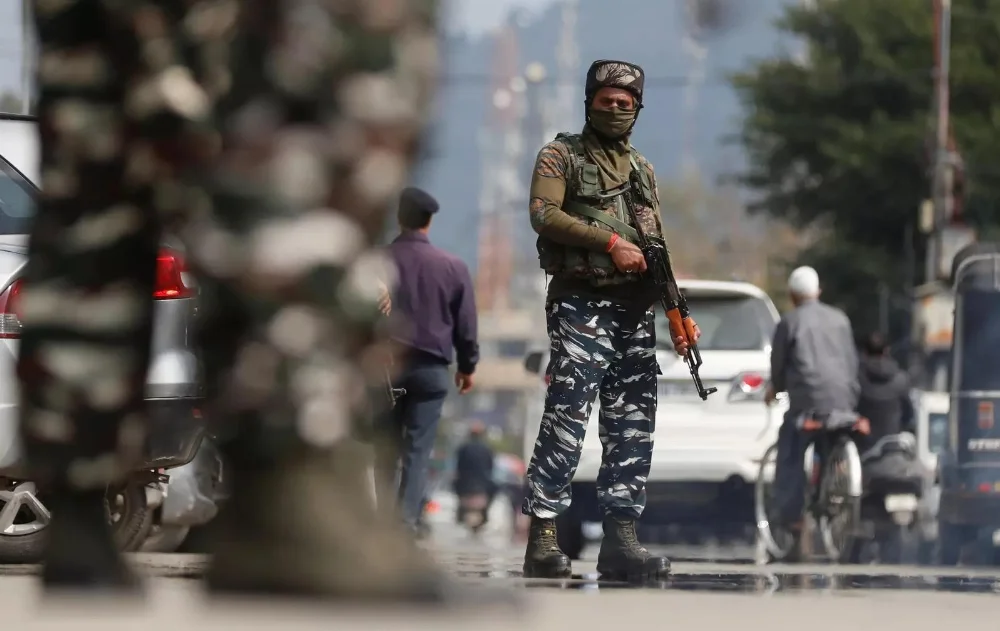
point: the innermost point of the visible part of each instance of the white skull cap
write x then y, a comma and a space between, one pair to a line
804, 281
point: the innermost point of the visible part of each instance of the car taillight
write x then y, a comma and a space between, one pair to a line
172, 278
10, 320
172, 281
748, 386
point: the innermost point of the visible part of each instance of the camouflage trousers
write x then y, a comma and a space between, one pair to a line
598, 349
271, 136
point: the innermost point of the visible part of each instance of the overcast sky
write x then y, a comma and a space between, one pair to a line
10, 45
473, 17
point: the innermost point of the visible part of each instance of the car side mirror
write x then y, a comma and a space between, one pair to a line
533, 362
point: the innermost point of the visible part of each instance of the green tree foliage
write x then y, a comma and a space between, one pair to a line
710, 236
840, 139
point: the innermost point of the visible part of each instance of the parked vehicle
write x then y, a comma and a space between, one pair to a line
175, 426
193, 496
707, 453
969, 465
932, 436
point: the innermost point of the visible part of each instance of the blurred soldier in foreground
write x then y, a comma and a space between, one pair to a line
814, 360
272, 135
436, 307
600, 323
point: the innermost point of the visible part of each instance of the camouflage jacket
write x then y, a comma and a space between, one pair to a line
575, 218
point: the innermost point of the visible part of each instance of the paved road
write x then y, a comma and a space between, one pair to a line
699, 600
703, 595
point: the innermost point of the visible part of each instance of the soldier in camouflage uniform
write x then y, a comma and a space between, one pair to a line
600, 323
272, 135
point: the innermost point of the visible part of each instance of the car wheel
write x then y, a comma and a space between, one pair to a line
24, 519
130, 516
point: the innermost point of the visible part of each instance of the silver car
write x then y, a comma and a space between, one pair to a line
176, 427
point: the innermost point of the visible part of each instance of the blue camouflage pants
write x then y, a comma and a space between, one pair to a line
597, 348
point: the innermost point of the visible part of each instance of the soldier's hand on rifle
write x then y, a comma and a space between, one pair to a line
681, 342
627, 256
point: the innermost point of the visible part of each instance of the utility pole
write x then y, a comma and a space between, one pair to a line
697, 53
28, 54
943, 173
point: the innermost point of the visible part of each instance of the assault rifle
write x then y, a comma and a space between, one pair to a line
659, 270
393, 393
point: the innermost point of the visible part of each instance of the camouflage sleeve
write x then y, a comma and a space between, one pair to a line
548, 189
646, 164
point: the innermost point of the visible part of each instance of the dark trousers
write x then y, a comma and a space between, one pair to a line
407, 437
788, 489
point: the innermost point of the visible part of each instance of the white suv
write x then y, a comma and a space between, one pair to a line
707, 453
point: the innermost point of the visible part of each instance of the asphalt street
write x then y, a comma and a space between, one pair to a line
727, 592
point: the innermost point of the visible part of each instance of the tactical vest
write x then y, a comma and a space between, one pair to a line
586, 201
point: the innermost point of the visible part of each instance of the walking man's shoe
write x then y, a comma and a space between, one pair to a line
623, 558
543, 558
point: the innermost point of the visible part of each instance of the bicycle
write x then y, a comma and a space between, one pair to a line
833, 487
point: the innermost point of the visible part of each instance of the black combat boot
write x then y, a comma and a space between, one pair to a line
622, 557
543, 558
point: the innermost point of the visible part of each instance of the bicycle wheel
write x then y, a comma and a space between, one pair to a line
840, 500
779, 543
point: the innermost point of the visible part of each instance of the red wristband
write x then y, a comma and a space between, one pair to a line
611, 242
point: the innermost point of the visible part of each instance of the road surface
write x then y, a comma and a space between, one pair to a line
703, 596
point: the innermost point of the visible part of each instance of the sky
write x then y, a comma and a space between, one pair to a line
477, 17
471, 17
10, 45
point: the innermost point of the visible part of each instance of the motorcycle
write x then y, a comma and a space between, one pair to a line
893, 487
472, 510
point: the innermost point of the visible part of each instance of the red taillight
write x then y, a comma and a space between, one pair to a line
10, 317
172, 278
748, 386
751, 381
172, 281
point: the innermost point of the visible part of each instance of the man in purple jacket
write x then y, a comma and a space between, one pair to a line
434, 311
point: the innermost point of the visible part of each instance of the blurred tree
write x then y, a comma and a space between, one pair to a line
837, 139
710, 236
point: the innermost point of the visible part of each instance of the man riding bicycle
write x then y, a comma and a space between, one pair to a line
814, 360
